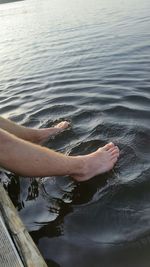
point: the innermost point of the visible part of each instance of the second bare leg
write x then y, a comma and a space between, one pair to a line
30, 134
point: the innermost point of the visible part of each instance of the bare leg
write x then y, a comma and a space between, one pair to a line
44, 134
32, 160
32, 135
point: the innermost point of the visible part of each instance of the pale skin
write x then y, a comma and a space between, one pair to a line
21, 153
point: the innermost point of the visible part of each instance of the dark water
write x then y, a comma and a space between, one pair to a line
87, 62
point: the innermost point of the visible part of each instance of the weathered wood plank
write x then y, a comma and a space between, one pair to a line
28, 251
9, 256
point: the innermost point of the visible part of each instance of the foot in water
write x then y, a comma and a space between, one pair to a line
45, 133
101, 161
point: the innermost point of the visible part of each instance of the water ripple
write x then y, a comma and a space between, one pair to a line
87, 62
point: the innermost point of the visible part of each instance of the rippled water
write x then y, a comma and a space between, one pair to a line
87, 62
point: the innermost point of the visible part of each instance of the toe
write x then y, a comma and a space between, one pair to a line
109, 146
115, 153
115, 148
114, 160
63, 125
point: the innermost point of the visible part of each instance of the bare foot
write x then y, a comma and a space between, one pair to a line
45, 133
101, 161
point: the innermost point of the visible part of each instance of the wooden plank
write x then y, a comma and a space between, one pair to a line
9, 256
28, 251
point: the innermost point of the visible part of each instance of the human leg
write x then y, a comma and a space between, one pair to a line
30, 134
32, 160
45, 133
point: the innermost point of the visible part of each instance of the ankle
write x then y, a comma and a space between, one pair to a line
81, 168
32, 135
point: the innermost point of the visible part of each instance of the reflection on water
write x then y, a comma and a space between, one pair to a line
87, 62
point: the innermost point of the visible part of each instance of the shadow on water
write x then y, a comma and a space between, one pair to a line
86, 227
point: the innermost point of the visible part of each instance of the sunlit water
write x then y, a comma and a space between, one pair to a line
87, 62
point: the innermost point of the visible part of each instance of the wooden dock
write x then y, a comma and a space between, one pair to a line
17, 248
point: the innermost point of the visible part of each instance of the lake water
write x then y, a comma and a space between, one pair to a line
87, 62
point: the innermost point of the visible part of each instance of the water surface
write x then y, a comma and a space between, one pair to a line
87, 62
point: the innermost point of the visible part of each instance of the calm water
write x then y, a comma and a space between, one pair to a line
87, 62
